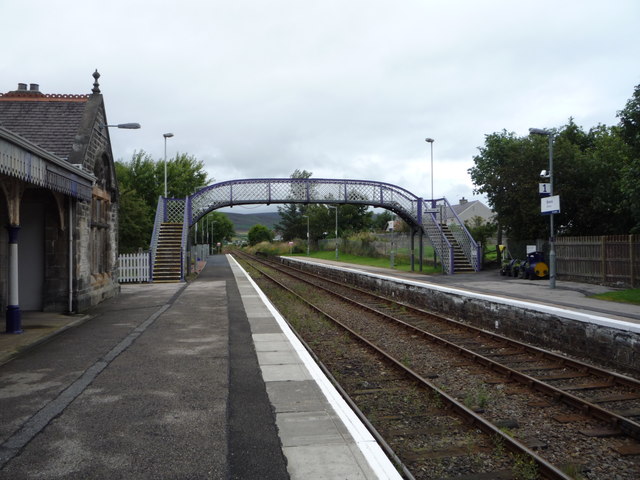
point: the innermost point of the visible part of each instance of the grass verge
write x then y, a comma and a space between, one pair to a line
623, 296
399, 264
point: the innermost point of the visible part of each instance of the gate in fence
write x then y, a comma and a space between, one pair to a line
134, 267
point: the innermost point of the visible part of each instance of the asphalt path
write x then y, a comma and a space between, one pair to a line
144, 389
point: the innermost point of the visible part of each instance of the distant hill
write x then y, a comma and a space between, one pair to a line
242, 222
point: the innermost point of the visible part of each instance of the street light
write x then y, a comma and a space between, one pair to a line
552, 249
129, 126
307, 217
165, 135
431, 140
336, 207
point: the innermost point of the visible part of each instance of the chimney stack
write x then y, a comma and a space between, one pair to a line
34, 87
22, 87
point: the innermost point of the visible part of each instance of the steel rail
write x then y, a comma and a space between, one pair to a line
626, 426
545, 468
617, 378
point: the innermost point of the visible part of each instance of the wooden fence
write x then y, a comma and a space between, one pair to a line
609, 260
134, 267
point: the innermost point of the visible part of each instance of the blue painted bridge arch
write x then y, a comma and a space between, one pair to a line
434, 218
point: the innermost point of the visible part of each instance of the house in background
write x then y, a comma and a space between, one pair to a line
467, 211
58, 201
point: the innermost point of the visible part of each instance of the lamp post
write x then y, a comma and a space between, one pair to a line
430, 141
128, 126
552, 250
308, 239
165, 135
336, 207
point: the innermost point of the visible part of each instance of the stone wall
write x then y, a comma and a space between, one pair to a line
589, 338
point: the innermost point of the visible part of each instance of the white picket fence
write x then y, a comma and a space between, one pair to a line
134, 267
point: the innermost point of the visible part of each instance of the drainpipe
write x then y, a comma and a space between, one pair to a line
70, 227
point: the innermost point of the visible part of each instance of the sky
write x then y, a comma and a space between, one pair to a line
345, 89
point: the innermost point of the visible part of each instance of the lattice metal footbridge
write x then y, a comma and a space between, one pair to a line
434, 218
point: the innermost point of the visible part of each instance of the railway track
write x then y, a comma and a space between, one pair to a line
560, 412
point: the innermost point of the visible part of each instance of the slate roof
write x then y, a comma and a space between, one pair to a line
461, 207
50, 121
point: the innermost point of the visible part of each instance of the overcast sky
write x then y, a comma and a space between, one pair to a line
341, 88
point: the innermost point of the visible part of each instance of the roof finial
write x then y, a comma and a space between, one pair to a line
96, 85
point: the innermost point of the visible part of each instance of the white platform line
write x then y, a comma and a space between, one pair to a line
373, 453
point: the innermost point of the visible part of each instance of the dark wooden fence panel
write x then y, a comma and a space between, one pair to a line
610, 260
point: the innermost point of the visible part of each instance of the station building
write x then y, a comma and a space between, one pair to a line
58, 202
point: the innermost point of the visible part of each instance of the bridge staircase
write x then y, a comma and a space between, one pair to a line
461, 263
168, 257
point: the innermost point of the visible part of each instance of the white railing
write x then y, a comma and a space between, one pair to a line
134, 267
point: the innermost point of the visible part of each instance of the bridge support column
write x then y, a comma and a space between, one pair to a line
421, 248
413, 248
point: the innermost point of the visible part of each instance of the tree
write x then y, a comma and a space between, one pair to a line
588, 175
185, 174
141, 182
140, 174
381, 220
216, 227
259, 233
481, 231
292, 222
630, 132
506, 171
135, 222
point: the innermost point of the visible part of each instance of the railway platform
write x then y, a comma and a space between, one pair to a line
201, 380
567, 295
198, 380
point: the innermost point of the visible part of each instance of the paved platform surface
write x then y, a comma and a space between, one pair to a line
195, 380
199, 380
568, 295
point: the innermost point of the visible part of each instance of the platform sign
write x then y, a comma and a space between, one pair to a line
544, 189
549, 205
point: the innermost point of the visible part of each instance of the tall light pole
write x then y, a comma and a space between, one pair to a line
128, 126
165, 135
308, 239
336, 207
552, 249
430, 141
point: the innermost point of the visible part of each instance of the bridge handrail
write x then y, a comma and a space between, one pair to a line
439, 241
160, 215
470, 247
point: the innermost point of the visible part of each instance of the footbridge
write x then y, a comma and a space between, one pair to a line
434, 218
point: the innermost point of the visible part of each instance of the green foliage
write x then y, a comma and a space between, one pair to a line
141, 182
481, 231
588, 176
292, 222
259, 233
218, 226
630, 132
185, 174
525, 468
320, 219
380, 221
135, 222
